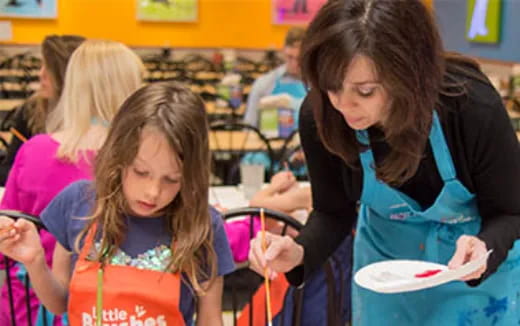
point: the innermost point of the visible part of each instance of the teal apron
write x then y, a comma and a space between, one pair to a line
391, 225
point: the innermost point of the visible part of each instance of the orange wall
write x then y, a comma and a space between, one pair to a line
228, 23
221, 23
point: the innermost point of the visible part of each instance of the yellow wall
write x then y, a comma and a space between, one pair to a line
221, 23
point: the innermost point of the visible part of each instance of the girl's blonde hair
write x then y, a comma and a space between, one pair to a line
100, 76
180, 116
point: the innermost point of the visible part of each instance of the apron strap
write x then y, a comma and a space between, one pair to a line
87, 244
367, 162
441, 152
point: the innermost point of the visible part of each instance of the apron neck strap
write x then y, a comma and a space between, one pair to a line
440, 149
441, 152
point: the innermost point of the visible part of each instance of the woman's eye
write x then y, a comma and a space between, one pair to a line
366, 91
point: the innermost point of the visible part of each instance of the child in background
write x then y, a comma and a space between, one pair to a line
100, 76
141, 240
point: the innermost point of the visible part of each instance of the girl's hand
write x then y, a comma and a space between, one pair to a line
282, 181
20, 240
282, 254
469, 248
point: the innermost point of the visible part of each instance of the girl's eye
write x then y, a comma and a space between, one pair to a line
140, 173
171, 181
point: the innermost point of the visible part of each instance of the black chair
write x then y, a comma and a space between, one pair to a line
9, 264
291, 156
233, 141
241, 285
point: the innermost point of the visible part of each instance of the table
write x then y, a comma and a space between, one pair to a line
231, 197
8, 104
240, 141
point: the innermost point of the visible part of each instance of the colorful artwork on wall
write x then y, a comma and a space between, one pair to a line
29, 8
483, 21
295, 12
167, 10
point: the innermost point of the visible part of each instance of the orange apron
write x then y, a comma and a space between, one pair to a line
128, 296
278, 288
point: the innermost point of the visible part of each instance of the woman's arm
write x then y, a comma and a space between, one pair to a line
334, 210
209, 309
493, 154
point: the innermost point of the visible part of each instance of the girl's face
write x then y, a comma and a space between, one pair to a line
362, 101
46, 87
153, 180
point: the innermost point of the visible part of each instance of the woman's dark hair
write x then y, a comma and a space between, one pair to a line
402, 40
56, 52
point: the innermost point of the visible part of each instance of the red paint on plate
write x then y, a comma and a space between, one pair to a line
428, 273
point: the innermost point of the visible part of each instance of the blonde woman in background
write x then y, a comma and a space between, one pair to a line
99, 77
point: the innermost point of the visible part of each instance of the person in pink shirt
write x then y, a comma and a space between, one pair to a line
99, 77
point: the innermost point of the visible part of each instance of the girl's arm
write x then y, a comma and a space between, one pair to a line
287, 202
22, 243
52, 287
209, 309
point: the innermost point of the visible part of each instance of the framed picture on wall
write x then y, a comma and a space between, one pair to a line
167, 10
483, 21
29, 8
295, 12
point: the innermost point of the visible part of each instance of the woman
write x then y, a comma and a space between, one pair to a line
422, 140
29, 119
100, 76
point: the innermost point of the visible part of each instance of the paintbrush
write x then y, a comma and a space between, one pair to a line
266, 274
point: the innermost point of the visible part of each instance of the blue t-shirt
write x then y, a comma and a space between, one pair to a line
63, 217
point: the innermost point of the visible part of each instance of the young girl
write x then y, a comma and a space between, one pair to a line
100, 76
140, 246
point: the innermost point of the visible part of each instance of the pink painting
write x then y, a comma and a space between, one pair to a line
295, 12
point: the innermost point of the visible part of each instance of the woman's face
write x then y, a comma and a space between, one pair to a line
46, 86
362, 100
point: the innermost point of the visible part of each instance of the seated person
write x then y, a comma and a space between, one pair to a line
284, 79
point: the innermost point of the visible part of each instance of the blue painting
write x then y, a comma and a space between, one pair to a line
28, 8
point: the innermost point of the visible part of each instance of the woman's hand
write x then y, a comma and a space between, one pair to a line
469, 248
20, 240
282, 254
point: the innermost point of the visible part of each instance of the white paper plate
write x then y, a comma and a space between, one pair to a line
394, 276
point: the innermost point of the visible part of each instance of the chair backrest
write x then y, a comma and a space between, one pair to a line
8, 263
17, 73
233, 143
291, 154
243, 286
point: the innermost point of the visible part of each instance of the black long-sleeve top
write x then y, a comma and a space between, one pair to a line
486, 156
18, 120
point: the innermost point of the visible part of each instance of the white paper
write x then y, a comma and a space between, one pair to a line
6, 31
